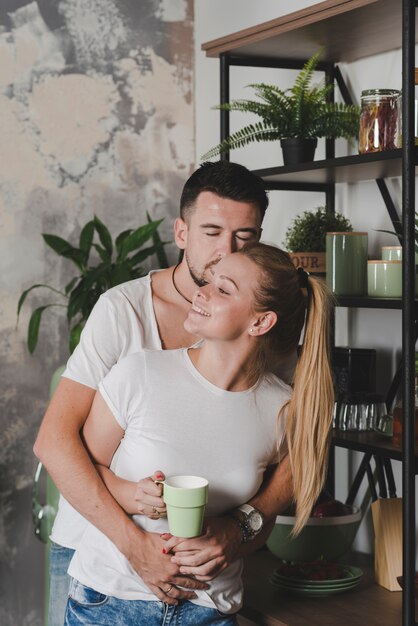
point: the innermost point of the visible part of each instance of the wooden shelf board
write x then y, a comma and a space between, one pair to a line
268, 606
348, 169
374, 26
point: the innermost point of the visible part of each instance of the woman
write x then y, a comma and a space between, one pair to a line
213, 411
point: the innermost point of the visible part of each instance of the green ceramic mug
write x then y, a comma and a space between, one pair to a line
186, 498
384, 279
347, 263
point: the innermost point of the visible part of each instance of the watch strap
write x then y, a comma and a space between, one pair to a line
244, 533
246, 508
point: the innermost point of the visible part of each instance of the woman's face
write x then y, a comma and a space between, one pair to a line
223, 309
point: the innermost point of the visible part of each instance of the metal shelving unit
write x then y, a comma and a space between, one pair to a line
350, 30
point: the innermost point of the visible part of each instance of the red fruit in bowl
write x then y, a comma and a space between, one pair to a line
331, 508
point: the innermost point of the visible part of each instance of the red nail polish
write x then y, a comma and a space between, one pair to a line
158, 475
164, 551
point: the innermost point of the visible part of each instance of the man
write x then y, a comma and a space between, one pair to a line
221, 208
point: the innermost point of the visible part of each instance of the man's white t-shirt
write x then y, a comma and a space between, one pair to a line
175, 419
122, 322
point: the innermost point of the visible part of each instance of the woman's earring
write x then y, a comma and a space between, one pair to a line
251, 330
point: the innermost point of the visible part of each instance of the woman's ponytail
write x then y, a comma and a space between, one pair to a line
309, 412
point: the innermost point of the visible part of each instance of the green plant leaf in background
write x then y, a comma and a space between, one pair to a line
118, 262
65, 249
34, 323
159, 246
137, 238
104, 235
27, 291
86, 239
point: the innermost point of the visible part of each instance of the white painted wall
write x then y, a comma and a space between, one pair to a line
362, 202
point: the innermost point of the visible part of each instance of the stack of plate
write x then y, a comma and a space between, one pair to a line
314, 588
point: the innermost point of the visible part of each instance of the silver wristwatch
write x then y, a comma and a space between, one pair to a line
250, 521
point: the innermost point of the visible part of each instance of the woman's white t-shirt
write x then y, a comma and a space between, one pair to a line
176, 420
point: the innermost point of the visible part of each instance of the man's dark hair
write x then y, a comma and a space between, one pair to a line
227, 180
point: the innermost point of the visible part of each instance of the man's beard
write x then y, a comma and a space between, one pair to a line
200, 280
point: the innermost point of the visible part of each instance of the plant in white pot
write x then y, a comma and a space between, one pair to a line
297, 116
306, 237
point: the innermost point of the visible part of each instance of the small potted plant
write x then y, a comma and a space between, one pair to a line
297, 116
118, 261
306, 237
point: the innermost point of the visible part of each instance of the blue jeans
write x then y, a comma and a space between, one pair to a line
87, 607
59, 583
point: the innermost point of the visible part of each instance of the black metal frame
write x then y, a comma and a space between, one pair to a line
408, 309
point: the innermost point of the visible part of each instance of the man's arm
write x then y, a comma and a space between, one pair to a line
61, 450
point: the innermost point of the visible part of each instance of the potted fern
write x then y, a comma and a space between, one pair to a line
118, 261
306, 237
297, 116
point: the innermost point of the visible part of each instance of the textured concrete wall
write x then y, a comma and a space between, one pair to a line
96, 115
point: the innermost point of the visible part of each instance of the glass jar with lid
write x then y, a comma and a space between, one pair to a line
379, 120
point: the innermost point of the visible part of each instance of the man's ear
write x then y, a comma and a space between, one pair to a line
180, 233
263, 323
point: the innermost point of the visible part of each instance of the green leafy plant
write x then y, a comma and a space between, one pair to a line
301, 111
119, 261
307, 232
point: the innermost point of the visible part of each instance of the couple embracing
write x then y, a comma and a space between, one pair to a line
178, 371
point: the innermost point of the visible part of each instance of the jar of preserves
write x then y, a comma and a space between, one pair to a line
379, 120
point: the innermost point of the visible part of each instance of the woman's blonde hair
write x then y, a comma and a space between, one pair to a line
309, 411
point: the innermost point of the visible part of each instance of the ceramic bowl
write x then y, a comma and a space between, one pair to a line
327, 537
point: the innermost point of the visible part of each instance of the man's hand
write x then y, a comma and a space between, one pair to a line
204, 557
159, 573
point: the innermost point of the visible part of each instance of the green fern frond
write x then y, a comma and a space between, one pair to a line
337, 118
252, 132
247, 106
269, 93
304, 78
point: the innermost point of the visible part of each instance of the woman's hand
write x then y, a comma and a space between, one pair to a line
148, 496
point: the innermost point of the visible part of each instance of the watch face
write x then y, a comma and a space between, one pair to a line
255, 521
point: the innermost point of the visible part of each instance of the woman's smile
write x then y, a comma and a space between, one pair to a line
197, 309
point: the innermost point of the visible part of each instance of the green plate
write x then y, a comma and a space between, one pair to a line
283, 583
314, 592
353, 574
